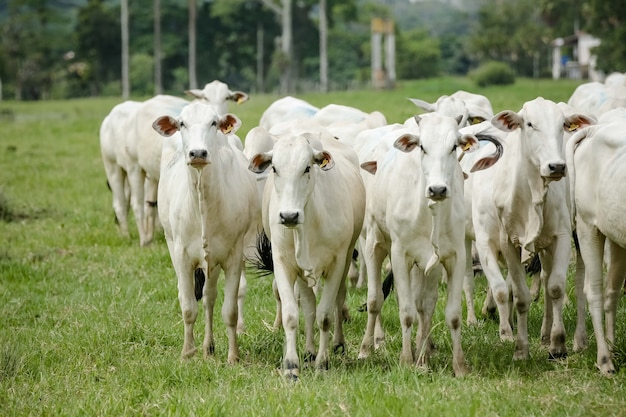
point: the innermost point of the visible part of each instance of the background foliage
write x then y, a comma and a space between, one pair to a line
72, 47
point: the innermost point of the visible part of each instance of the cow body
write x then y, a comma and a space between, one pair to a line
207, 200
596, 158
123, 175
312, 212
521, 210
415, 213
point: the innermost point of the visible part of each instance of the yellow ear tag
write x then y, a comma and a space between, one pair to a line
466, 146
476, 120
324, 163
573, 127
240, 100
228, 129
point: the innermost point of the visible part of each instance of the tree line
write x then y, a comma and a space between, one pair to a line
75, 48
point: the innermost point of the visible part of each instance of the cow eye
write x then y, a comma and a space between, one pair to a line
273, 169
423, 150
453, 149
307, 169
214, 123
182, 124
530, 125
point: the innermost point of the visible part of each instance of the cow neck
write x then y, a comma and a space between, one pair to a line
522, 191
210, 194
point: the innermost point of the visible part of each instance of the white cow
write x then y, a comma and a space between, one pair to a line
596, 162
474, 108
285, 109
415, 213
218, 94
148, 147
595, 98
124, 177
522, 209
313, 209
207, 200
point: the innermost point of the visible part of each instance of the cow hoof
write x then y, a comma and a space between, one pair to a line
555, 356
340, 349
309, 357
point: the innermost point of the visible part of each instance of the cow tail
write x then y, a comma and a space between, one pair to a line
199, 279
262, 262
570, 148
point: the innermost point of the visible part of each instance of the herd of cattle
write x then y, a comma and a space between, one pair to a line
425, 194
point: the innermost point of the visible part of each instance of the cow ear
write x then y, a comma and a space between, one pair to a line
577, 121
324, 159
195, 93
260, 162
468, 143
370, 166
166, 126
507, 120
238, 97
229, 123
406, 142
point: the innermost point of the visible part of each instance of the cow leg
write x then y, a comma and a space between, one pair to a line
373, 256
116, 177
548, 316
186, 296
285, 281
209, 295
615, 283
230, 308
326, 312
278, 319
555, 291
339, 342
592, 250
150, 208
362, 281
306, 295
580, 334
488, 255
468, 284
424, 292
454, 318
521, 297
406, 302
241, 297
136, 178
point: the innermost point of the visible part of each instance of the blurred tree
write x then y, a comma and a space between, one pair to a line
30, 57
605, 22
419, 55
99, 43
510, 31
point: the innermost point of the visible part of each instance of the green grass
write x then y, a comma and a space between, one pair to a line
90, 322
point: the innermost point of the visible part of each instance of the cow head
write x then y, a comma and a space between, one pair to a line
217, 94
437, 140
541, 133
199, 126
295, 166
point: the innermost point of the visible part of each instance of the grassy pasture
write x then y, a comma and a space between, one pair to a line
90, 322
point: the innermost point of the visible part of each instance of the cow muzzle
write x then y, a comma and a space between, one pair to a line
289, 218
198, 158
437, 192
555, 170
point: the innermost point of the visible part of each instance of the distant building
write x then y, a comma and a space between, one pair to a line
581, 64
